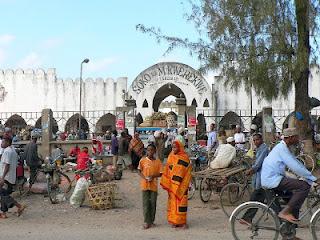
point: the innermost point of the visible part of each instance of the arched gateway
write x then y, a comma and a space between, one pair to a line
164, 79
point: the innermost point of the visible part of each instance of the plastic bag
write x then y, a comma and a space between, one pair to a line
78, 195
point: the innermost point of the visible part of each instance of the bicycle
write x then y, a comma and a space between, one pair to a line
57, 181
266, 223
234, 194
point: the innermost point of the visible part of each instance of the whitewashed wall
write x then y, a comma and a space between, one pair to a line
32, 90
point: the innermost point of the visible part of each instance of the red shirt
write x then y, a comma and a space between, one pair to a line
74, 152
82, 163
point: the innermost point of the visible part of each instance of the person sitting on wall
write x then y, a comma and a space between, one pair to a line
74, 152
224, 154
97, 147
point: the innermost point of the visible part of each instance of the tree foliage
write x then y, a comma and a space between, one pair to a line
253, 42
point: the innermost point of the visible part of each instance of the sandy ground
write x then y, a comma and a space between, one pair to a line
42, 220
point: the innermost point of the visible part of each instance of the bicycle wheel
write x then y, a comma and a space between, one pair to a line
232, 195
205, 190
192, 188
265, 223
307, 160
315, 225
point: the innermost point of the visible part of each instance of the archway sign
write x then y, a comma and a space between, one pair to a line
169, 78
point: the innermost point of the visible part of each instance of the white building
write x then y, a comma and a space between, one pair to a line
26, 92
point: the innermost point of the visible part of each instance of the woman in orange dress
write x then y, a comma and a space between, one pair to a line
175, 180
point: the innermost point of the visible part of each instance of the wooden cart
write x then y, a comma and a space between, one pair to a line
214, 179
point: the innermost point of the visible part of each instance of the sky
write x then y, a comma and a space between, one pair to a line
60, 34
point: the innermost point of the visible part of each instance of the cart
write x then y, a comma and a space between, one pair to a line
213, 180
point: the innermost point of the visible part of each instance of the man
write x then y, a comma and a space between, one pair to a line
253, 131
8, 165
32, 159
239, 138
273, 175
224, 154
258, 194
114, 147
180, 136
212, 143
136, 150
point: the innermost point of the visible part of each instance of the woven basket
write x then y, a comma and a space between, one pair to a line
102, 195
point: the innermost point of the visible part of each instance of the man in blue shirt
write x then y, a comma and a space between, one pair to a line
258, 194
273, 175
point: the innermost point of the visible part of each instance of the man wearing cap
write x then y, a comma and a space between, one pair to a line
239, 138
212, 143
253, 131
273, 175
258, 195
224, 154
180, 136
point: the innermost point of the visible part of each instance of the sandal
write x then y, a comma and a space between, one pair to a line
3, 216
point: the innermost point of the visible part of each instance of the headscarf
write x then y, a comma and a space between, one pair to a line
177, 172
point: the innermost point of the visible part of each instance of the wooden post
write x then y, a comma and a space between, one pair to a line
46, 126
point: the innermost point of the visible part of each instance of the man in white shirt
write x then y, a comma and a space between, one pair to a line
8, 165
239, 138
212, 143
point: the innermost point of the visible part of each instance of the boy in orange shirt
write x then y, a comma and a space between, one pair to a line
149, 170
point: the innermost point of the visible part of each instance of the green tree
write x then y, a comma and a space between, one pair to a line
264, 44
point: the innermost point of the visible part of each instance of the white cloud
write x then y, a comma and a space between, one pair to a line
52, 42
6, 38
100, 64
32, 60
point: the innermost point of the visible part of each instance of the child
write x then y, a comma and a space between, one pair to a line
149, 170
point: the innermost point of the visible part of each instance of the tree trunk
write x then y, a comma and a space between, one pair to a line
301, 77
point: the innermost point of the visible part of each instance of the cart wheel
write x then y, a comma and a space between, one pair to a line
205, 190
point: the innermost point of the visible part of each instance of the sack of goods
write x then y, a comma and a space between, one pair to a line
78, 196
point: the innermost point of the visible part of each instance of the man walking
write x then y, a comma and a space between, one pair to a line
32, 159
8, 165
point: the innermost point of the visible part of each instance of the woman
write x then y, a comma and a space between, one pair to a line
136, 149
175, 180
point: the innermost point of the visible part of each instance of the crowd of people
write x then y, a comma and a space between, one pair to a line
268, 169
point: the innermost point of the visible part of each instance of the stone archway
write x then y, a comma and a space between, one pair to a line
55, 127
229, 120
166, 79
105, 123
165, 91
72, 124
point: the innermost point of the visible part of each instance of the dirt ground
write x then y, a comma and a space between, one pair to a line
42, 220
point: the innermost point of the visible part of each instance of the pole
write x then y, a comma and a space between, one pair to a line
251, 105
80, 97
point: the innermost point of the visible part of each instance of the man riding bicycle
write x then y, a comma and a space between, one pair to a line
273, 175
